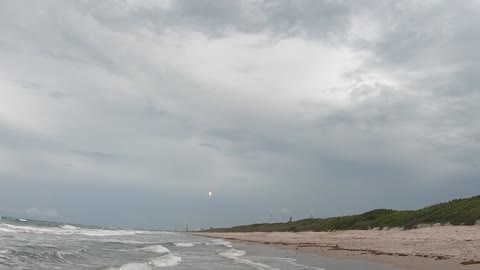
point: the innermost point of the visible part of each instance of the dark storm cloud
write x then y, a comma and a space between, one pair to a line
316, 18
164, 101
218, 18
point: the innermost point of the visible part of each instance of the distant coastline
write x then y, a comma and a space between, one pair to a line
444, 236
456, 212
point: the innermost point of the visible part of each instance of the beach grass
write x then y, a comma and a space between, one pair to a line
455, 212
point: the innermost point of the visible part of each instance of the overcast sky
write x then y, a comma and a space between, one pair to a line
127, 113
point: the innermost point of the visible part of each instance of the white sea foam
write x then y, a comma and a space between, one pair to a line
123, 241
167, 260
235, 255
184, 244
163, 261
156, 248
232, 253
7, 230
219, 242
100, 232
131, 266
69, 227
61, 253
293, 261
65, 230
22, 220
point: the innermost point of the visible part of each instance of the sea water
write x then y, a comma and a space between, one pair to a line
32, 245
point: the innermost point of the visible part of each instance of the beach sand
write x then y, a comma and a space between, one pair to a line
307, 261
435, 247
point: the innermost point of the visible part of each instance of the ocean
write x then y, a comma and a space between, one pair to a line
26, 244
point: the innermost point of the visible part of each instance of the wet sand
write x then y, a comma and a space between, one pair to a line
438, 247
310, 261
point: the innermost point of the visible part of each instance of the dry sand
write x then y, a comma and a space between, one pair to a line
437, 247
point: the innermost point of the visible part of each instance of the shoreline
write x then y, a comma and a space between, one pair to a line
438, 247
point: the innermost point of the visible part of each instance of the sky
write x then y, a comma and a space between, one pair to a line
128, 112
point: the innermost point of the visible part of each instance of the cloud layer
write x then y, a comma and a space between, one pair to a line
271, 105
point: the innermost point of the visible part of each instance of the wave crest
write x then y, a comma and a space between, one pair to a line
184, 244
235, 255
156, 249
167, 260
219, 242
64, 230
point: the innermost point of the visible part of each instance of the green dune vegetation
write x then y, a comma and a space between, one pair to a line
455, 212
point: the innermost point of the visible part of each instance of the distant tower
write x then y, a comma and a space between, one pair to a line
290, 220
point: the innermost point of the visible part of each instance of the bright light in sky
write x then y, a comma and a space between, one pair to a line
274, 104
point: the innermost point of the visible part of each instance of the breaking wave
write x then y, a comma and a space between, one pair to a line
64, 230
184, 244
69, 227
236, 255
219, 242
156, 249
47, 245
166, 259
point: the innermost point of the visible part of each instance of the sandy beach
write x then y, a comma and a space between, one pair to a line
436, 247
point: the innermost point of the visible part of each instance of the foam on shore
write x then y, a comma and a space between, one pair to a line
236, 255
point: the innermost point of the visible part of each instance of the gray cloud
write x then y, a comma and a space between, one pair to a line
41, 213
306, 104
211, 146
281, 18
94, 154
